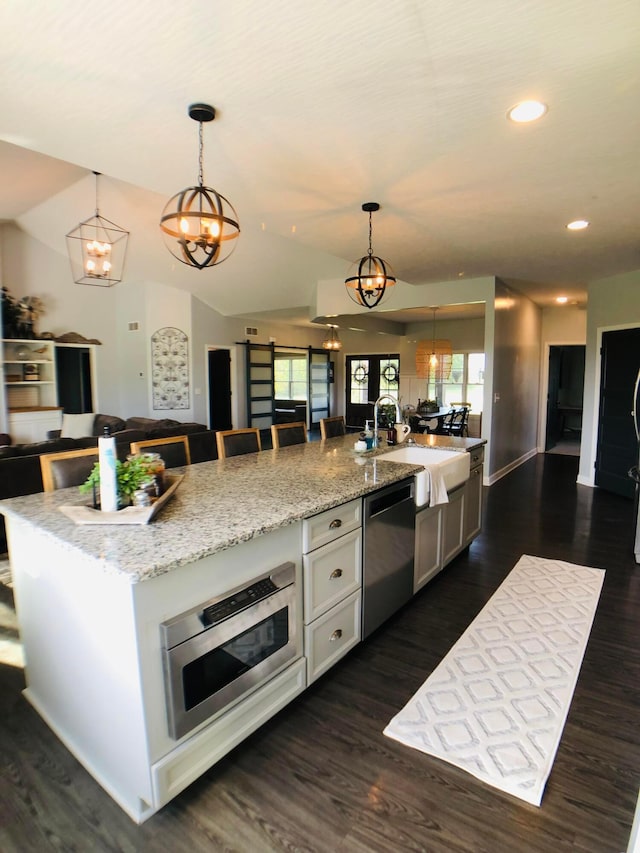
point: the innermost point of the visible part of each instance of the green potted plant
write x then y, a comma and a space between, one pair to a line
130, 476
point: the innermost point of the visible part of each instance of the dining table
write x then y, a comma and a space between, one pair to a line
422, 420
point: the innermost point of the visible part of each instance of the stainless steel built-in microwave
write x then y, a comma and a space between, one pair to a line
227, 647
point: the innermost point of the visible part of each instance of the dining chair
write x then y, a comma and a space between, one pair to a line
284, 435
202, 446
174, 450
461, 425
237, 442
332, 427
455, 422
67, 468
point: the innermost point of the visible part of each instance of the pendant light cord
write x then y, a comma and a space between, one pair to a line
97, 208
200, 167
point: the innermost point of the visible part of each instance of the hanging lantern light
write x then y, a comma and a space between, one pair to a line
434, 358
369, 277
200, 226
97, 249
332, 341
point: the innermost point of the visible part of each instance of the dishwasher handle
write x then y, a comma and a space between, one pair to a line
385, 499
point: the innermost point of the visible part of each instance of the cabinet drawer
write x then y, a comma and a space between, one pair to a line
331, 636
331, 573
477, 457
328, 525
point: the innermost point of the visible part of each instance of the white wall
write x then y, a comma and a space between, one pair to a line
614, 303
516, 373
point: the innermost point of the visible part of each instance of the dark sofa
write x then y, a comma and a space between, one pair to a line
134, 429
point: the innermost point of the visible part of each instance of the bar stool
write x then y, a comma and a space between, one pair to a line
237, 442
332, 427
174, 450
284, 435
67, 468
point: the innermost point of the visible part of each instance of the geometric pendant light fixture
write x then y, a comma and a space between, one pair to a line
97, 249
199, 225
369, 277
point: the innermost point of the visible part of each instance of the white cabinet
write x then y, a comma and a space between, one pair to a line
29, 425
428, 555
329, 638
453, 525
30, 392
442, 531
332, 582
473, 505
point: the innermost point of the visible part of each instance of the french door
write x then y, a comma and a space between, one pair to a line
367, 377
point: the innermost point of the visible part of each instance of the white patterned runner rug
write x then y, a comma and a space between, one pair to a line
497, 703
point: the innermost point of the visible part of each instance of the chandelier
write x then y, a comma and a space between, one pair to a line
369, 277
332, 341
200, 226
97, 250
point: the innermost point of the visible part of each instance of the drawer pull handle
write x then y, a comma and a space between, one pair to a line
336, 573
337, 634
337, 522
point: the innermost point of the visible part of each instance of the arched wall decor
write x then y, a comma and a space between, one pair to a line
170, 369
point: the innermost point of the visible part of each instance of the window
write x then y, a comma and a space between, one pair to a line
465, 383
290, 377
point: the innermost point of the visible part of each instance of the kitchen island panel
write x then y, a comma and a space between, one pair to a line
81, 668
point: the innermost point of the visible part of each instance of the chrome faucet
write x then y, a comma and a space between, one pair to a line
375, 414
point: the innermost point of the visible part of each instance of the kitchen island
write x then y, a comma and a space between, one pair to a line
91, 600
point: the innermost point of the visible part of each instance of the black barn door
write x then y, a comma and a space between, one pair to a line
617, 448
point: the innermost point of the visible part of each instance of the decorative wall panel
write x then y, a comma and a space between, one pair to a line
170, 369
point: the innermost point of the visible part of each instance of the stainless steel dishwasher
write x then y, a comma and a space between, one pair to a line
387, 559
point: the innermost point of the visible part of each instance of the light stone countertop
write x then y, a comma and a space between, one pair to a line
217, 505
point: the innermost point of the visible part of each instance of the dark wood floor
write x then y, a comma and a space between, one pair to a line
322, 777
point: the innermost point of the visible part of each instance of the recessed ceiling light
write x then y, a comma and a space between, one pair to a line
562, 299
578, 224
527, 111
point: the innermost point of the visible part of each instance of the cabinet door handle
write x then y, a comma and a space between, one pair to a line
336, 573
337, 522
337, 634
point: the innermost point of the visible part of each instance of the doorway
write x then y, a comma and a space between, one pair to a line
219, 383
74, 377
564, 399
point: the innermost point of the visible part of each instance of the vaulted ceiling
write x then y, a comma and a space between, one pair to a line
324, 106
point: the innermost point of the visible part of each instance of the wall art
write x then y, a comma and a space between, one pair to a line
170, 369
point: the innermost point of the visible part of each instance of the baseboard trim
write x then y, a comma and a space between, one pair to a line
585, 481
498, 475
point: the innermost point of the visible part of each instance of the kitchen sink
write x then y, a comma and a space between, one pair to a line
451, 466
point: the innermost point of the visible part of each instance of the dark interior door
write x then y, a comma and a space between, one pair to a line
219, 361
73, 376
554, 422
617, 447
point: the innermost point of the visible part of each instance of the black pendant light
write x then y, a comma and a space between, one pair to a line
369, 277
97, 249
200, 226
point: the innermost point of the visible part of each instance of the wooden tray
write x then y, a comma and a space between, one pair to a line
128, 515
